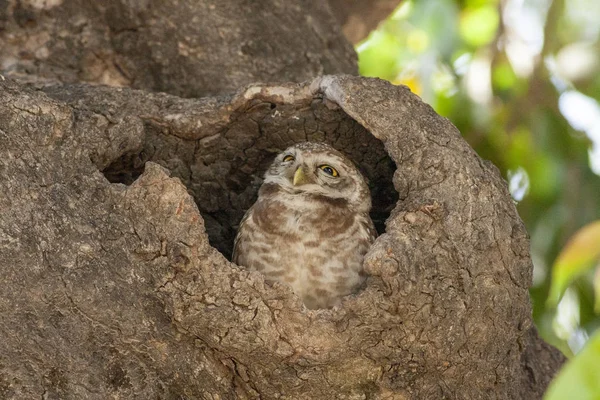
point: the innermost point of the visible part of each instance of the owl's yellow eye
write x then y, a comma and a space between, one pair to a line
329, 170
288, 158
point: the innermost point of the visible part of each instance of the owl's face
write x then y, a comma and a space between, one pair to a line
320, 170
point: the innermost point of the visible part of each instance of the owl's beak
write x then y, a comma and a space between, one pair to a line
300, 177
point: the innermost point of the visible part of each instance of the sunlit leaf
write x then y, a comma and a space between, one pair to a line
597, 290
378, 55
478, 26
479, 3
412, 81
402, 10
577, 257
503, 76
580, 378
417, 41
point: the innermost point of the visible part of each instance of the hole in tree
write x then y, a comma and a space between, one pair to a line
123, 170
224, 170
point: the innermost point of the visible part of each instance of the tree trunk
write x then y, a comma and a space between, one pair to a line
119, 208
188, 48
359, 17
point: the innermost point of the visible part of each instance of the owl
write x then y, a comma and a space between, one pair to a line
310, 226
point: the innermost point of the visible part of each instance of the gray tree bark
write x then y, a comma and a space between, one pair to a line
119, 208
188, 48
359, 17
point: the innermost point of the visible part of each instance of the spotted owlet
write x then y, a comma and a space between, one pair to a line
310, 226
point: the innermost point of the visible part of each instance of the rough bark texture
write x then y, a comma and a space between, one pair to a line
118, 209
188, 48
114, 291
359, 17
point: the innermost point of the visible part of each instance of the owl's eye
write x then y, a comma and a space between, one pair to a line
288, 158
329, 170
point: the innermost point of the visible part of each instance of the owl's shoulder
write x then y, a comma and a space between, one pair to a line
265, 213
367, 227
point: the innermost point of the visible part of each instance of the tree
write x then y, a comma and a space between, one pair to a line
119, 208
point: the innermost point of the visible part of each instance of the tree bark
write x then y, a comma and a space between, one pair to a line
187, 48
119, 208
359, 17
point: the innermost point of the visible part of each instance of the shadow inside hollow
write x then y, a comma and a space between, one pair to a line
224, 171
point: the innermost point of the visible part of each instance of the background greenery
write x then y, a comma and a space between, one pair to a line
521, 80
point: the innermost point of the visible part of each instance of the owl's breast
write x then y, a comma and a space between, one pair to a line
317, 250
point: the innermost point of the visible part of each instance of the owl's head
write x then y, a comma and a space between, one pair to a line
318, 170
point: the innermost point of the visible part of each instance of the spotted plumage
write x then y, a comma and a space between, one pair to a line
310, 226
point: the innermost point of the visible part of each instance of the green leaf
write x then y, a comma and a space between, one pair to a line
378, 55
478, 26
579, 378
579, 255
597, 291
503, 76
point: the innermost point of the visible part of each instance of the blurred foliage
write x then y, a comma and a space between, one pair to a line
521, 80
580, 378
581, 254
